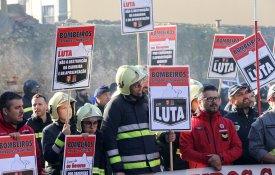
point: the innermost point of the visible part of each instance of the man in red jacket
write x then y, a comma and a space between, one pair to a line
213, 140
11, 120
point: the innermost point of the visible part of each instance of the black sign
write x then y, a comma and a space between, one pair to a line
223, 65
170, 111
73, 70
137, 17
162, 57
266, 68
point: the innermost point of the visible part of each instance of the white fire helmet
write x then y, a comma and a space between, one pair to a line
57, 99
87, 111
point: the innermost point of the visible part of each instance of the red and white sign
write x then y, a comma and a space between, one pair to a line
244, 54
18, 156
227, 170
169, 98
222, 64
136, 16
73, 57
162, 45
79, 155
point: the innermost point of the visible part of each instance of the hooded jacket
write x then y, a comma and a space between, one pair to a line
6, 128
210, 134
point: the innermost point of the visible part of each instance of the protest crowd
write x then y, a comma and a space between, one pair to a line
118, 116
151, 119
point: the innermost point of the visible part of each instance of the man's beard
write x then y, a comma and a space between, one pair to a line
85, 97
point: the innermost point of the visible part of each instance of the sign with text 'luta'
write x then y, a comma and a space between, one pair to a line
136, 16
244, 54
73, 56
222, 64
162, 45
169, 98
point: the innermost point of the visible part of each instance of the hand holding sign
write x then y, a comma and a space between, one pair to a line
15, 135
66, 129
170, 137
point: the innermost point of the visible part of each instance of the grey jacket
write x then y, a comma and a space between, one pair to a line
262, 136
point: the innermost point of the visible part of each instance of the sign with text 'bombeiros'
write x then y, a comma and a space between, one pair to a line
136, 16
162, 45
244, 54
169, 98
73, 56
222, 64
79, 155
18, 156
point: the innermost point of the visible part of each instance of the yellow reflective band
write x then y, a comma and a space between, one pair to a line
102, 171
159, 133
178, 151
272, 152
38, 135
115, 159
137, 165
59, 143
134, 134
96, 170
28, 109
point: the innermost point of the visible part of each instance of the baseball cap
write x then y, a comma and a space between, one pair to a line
101, 90
233, 89
247, 87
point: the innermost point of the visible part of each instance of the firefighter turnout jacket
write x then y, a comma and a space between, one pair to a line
53, 141
131, 147
36, 123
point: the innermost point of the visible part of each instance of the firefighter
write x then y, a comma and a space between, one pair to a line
30, 88
131, 147
53, 138
88, 118
39, 119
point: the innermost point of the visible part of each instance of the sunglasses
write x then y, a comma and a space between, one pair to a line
90, 122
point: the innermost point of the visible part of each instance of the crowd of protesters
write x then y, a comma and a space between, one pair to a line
119, 117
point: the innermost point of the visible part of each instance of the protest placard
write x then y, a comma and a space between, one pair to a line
169, 98
73, 56
162, 45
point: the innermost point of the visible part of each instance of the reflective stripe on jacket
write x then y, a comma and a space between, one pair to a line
131, 147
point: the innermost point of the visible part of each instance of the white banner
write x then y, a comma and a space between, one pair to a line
262, 169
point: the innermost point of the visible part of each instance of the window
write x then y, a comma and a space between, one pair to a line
48, 14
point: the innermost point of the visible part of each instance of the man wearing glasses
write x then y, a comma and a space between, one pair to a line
213, 140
